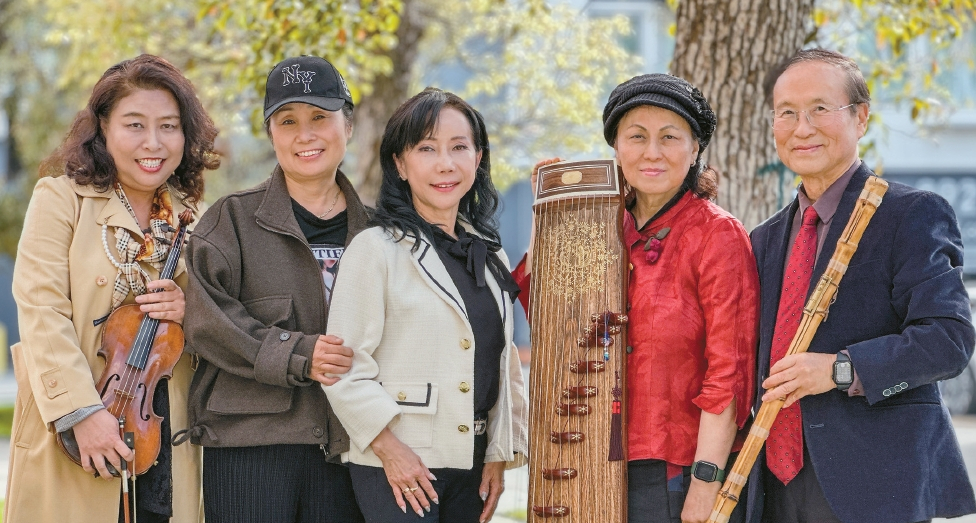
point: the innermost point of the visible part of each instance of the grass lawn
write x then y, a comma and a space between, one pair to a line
6, 419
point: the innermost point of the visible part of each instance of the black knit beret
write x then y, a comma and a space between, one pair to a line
665, 91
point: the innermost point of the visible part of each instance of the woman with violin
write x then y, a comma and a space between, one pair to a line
98, 235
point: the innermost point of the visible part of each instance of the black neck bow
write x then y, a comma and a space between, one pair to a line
478, 253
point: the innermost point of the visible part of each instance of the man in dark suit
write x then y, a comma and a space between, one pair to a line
864, 436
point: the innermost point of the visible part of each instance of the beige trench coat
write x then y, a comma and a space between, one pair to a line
63, 282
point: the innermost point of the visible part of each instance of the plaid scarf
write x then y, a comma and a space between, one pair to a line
153, 250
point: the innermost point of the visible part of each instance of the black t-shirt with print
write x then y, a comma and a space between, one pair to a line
327, 239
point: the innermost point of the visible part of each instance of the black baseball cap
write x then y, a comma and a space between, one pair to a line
307, 79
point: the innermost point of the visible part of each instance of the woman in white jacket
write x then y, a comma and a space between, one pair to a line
434, 402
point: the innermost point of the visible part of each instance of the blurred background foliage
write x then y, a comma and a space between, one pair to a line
539, 71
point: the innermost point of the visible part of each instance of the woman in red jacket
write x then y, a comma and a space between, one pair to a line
692, 299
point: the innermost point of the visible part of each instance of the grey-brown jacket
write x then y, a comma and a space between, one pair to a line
254, 309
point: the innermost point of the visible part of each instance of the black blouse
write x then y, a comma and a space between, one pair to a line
483, 314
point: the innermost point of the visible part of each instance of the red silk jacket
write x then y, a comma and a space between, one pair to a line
694, 316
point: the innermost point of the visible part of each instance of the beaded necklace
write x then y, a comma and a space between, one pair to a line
157, 239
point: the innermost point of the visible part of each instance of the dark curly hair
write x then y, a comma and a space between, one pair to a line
84, 156
679, 96
412, 122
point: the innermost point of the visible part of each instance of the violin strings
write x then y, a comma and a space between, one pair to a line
145, 336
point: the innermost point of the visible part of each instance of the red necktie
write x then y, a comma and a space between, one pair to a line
784, 446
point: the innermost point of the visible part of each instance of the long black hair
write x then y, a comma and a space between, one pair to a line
412, 122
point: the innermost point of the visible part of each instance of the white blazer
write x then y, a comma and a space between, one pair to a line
413, 361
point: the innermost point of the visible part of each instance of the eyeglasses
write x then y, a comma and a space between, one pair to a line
819, 116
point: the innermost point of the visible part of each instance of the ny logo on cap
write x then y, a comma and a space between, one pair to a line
293, 76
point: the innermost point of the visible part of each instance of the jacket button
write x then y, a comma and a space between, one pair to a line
463, 429
886, 392
284, 336
402, 396
52, 383
317, 432
631, 266
465, 344
464, 387
101, 280
629, 349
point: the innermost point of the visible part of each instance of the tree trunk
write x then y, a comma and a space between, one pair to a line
375, 110
725, 48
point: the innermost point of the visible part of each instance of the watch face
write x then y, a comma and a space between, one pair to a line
705, 471
843, 373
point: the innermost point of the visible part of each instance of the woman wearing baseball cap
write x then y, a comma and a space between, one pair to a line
693, 302
262, 263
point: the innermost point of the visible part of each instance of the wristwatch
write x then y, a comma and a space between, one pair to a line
843, 372
707, 471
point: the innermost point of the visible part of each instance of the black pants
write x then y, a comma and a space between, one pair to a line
651, 498
457, 491
276, 483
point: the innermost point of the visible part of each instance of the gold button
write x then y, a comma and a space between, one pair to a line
465, 344
631, 265
463, 428
402, 396
464, 387
101, 280
52, 383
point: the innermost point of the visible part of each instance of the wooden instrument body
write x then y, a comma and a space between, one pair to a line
124, 390
139, 351
579, 271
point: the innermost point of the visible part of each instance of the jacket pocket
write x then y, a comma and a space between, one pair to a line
418, 402
29, 426
273, 311
232, 394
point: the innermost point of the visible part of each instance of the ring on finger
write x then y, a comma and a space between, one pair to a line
411, 489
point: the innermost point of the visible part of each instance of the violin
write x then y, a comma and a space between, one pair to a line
139, 351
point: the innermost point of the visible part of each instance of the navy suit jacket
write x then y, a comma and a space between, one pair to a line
903, 313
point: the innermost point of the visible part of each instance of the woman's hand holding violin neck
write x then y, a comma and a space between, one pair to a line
492, 486
99, 441
330, 359
408, 476
164, 301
